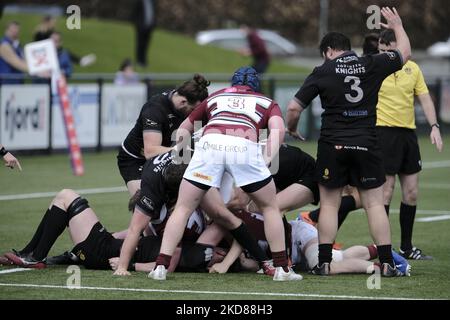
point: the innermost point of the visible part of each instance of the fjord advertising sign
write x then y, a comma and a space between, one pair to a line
24, 116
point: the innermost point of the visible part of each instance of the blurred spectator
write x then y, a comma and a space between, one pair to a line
144, 19
45, 29
370, 44
12, 60
126, 74
65, 63
257, 49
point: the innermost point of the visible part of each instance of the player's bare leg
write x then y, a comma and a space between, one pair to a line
213, 204
189, 198
293, 197
80, 225
351, 265
327, 227
372, 201
265, 199
388, 190
133, 186
328, 220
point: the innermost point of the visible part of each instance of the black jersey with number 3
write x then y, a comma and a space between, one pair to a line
158, 115
348, 88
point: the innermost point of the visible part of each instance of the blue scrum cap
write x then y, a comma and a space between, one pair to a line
246, 76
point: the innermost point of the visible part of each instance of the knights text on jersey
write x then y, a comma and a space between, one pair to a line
158, 115
348, 88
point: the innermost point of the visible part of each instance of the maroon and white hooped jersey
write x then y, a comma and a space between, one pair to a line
237, 111
255, 224
195, 226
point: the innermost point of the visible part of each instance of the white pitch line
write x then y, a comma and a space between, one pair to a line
436, 164
394, 211
53, 193
424, 212
15, 270
272, 294
437, 218
434, 185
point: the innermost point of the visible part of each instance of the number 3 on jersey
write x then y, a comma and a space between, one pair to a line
354, 87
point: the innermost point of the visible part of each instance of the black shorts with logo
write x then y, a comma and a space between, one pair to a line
296, 166
130, 168
400, 150
358, 166
98, 248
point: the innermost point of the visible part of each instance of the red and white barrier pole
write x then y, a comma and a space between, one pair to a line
71, 133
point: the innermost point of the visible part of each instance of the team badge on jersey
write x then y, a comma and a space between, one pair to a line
391, 55
326, 174
148, 203
150, 122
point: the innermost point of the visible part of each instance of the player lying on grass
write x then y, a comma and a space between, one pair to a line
94, 245
350, 202
304, 248
297, 187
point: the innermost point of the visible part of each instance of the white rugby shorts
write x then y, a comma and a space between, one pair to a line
216, 154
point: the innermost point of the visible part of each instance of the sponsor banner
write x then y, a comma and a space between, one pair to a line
84, 105
121, 106
24, 120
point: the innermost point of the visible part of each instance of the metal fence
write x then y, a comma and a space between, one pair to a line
30, 115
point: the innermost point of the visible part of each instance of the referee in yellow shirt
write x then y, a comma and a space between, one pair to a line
398, 140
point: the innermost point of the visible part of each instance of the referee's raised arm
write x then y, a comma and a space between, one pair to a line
394, 22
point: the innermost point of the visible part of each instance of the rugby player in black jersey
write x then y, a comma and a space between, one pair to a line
152, 133
96, 248
348, 152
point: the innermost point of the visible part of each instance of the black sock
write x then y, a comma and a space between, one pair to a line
386, 206
348, 204
37, 235
314, 215
248, 242
325, 253
407, 216
385, 254
54, 225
